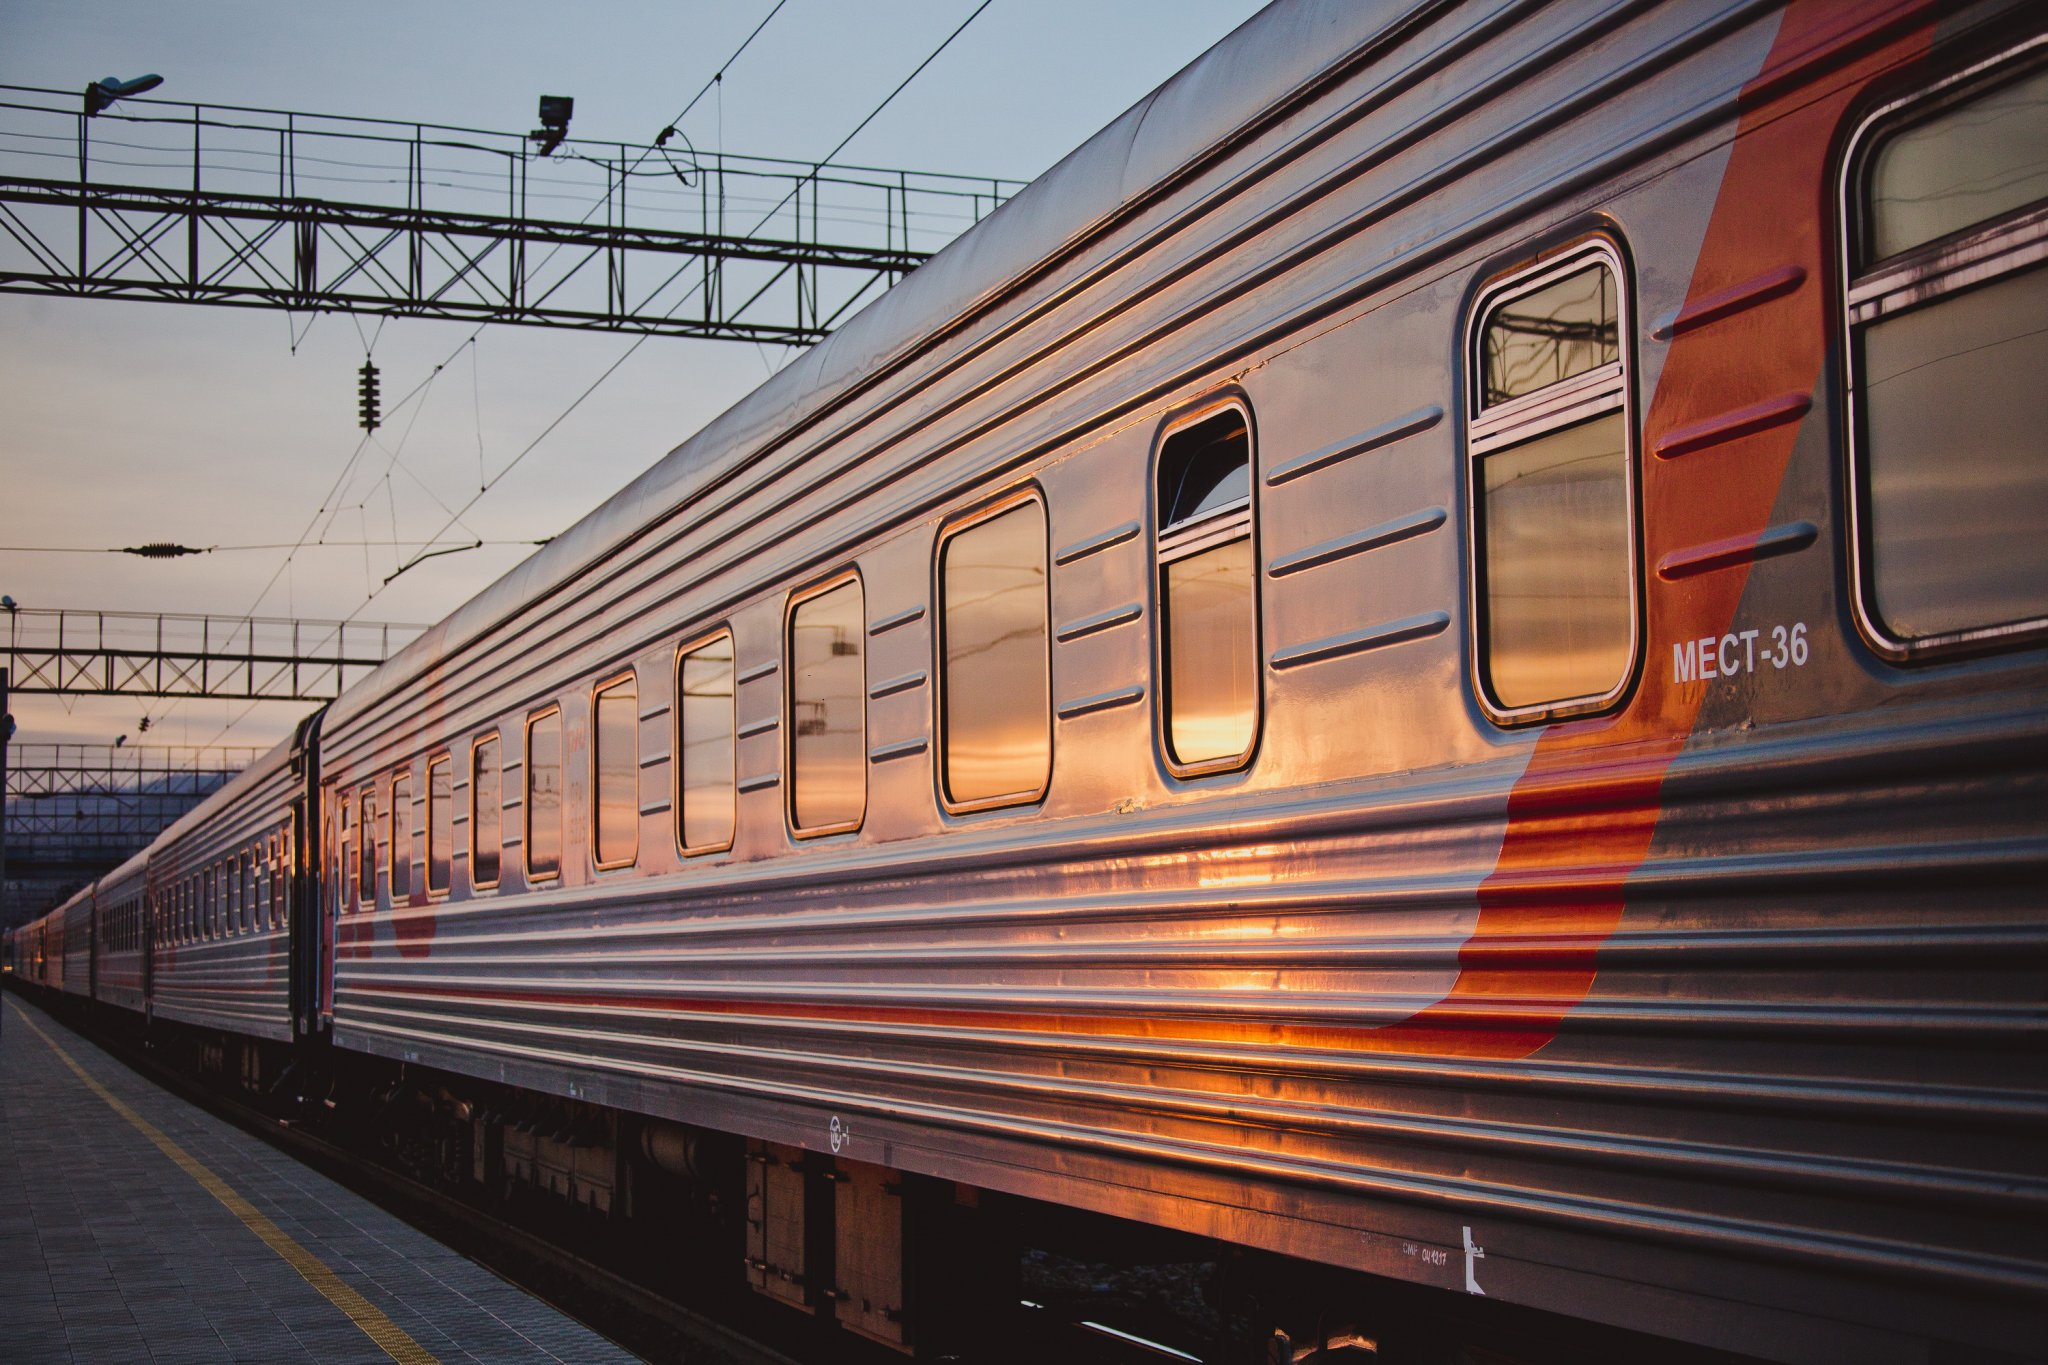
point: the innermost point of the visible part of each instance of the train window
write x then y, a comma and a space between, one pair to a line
440, 824
995, 688
1946, 211
274, 901
615, 763
706, 799
251, 918
827, 720
486, 812
544, 795
344, 848
1551, 440
404, 826
1208, 601
366, 855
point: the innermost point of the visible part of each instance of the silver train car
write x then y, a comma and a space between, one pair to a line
220, 877
1377, 669
120, 963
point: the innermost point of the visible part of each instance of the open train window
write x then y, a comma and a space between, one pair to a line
707, 802
827, 722
995, 652
1945, 218
403, 827
1208, 592
1551, 438
615, 766
440, 824
544, 795
486, 812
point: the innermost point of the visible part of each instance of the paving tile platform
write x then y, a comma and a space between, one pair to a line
110, 1251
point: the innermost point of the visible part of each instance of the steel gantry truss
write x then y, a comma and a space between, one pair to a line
62, 651
77, 811
269, 209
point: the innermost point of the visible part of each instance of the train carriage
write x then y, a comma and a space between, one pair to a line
1359, 672
221, 881
1377, 667
119, 901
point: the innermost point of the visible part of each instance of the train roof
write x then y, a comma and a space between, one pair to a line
1271, 54
133, 868
221, 798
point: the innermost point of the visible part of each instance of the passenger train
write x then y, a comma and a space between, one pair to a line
1426, 664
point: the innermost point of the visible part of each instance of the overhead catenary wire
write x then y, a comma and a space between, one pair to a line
470, 341
157, 549
611, 369
717, 79
640, 341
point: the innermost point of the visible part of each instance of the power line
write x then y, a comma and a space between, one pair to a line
164, 550
717, 78
456, 517
638, 342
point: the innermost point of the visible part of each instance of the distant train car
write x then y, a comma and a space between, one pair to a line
51, 943
220, 878
120, 962
76, 917
1378, 668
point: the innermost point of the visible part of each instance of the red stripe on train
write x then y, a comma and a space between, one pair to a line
1573, 811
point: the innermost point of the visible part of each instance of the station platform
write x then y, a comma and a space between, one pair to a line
134, 1227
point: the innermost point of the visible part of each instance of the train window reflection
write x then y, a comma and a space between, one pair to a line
1554, 533
996, 689
344, 847
616, 734
1551, 334
544, 795
827, 721
1556, 528
706, 802
440, 824
366, 879
403, 827
1946, 351
1208, 606
280, 875
486, 812
1976, 159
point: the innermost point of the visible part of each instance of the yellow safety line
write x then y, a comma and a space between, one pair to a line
389, 1336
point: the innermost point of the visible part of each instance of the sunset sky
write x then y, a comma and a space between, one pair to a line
132, 422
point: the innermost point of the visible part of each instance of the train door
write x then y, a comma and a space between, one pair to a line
93, 926
310, 922
152, 908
